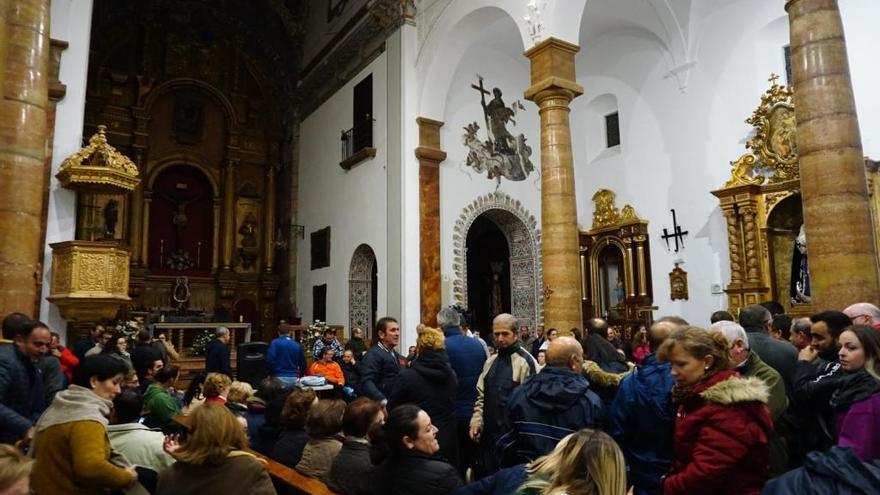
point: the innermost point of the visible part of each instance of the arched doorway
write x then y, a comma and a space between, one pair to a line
362, 290
488, 273
523, 237
181, 228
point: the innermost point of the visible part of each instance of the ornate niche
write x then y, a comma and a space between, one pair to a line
615, 263
762, 207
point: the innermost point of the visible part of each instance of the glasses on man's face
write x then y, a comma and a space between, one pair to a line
855, 319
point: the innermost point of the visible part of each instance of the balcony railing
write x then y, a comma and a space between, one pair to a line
357, 144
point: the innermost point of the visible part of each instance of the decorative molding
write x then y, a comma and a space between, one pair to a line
98, 166
524, 239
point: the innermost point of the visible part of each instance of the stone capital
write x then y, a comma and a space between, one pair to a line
553, 70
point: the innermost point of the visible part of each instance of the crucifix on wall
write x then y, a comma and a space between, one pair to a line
677, 234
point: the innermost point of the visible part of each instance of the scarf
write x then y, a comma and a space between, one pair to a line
854, 387
75, 404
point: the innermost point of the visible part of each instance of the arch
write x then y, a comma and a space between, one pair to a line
361, 287
188, 159
524, 239
443, 49
194, 84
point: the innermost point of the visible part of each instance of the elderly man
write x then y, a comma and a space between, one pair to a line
781, 356
800, 333
642, 416
381, 363
864, 314
550, 405
467, 358
217, 353
502, 373
749, 364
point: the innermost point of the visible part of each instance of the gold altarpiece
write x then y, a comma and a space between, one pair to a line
761, 205
615, 264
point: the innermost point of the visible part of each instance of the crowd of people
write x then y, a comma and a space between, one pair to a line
758, 403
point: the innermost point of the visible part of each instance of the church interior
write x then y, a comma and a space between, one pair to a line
326, 163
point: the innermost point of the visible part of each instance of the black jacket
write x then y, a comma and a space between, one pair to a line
432, 385
837, 471
379, 370
414, 474
352, 375
217, 358
288, 449
143, 356
812, 390
350, 472
547, 407
22, 396
781, 356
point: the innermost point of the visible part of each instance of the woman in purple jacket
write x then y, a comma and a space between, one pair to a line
857, 402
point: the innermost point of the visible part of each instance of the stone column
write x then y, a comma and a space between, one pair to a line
269, 221
136, 200
837, 217
24, 99
553, 88
430, 155
228, 214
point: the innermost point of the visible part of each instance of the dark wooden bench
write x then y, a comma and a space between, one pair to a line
291, 481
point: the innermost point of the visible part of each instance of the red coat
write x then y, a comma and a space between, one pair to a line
722, 433
69, 361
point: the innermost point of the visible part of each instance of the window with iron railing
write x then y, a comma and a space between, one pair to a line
357, 142
357, 138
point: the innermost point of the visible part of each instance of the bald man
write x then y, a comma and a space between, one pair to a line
550, 405
864, 314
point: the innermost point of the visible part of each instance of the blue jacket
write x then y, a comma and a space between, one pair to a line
21, 393
642, 421
837, 471
545, 408
379, 371
286, 358
467, 358
217, 358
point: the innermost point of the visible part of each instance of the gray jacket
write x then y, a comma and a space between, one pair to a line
781, 356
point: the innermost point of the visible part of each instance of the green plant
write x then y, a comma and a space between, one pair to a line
201, 342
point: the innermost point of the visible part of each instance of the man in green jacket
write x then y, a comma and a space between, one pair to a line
160, 406
356, 344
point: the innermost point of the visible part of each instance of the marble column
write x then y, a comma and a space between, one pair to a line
24, 100
553, 88
430, 155
269, 221
837, 217
228, 214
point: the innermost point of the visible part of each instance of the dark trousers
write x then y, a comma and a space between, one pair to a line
466, 446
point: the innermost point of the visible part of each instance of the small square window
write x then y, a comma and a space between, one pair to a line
612, 130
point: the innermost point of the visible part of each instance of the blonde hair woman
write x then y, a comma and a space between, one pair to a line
15, 470
431, 384
723, 425
587, 462
216, 388
214, 458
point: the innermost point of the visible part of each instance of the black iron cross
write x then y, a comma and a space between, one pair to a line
676, 234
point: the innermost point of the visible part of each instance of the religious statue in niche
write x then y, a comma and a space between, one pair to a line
678, 284
111, 216
800, 271
502, 154
179, 260
248, 250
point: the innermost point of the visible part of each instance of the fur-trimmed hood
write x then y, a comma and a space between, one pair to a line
734, 389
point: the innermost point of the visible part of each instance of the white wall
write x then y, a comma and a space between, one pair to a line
71, 22
352, 203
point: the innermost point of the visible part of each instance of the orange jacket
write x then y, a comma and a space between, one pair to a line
332, 372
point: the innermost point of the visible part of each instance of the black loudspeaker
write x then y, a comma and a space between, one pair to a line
251, 362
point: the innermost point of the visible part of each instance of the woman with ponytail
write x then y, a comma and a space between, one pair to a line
722, 425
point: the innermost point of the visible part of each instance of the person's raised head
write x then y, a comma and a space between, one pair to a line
357, 333
216, 385
222, 334
430, 339
270, 389
737, 340
860, 349
214, 432
596, 326
863, 313
565, 352
695, 353
284, 329
774, 308
168, 375
348, 357
296, 408
325, 418
388, 331
780, 328
240, 392
448, 317
101, 374
14, 324
825, 330
755, 316
144, 336
32, 339
359, 417
127, 406
721, 315
504, 328
662, 329
326, 354
800, 332
15, 471
409, 430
